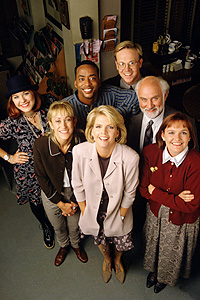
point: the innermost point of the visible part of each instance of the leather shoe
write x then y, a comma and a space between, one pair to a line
151, 279
81, 254
106, 274
120, 275
159, 286
61, 255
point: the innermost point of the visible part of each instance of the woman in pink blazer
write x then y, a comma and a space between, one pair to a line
105, 178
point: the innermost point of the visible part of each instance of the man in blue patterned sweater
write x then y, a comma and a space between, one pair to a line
90, 94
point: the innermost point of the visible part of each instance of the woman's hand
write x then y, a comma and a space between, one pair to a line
151, 188
68, 209
19, 158
123, 212
187, 196
82, 206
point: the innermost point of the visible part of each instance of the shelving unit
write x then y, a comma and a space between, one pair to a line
48, 47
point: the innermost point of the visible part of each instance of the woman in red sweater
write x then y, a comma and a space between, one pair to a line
170, 183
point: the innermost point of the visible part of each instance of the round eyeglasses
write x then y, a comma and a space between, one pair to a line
131, 65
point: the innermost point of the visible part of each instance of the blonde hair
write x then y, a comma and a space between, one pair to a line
113, 116
54, 108
128, 45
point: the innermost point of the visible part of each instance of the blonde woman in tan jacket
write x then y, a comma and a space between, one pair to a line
105, 178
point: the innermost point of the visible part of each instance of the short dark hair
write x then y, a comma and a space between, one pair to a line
86, 62
168, 121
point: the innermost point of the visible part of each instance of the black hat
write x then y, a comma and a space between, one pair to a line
18, 84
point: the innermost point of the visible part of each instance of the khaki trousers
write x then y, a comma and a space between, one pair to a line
66, 228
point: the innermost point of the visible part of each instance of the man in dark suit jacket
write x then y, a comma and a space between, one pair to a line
152, 93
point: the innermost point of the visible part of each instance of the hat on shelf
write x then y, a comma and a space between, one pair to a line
19, 83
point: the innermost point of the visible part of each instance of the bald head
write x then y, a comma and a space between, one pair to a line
152, 92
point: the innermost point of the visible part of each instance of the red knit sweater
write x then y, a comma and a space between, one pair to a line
170, 181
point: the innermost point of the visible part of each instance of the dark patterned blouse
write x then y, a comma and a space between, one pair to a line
28, 188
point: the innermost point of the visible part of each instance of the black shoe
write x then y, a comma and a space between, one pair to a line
159, 286
151, 279
48, 237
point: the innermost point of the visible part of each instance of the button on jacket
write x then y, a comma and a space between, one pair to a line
170, 181
50, 164
120, 181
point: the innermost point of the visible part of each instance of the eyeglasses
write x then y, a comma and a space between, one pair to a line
131, 65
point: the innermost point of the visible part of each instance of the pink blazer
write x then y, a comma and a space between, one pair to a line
121, 181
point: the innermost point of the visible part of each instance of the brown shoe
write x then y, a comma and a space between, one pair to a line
120, 275
107, 273
81, 254
61, 255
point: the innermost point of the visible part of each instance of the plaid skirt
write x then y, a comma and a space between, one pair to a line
169, 248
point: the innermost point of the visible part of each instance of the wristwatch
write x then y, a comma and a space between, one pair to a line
6, 157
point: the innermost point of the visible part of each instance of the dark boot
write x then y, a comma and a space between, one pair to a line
48, 236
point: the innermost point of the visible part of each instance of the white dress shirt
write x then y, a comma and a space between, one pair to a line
66, 179
155, 127
177, 160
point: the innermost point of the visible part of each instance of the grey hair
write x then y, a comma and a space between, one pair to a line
163, 84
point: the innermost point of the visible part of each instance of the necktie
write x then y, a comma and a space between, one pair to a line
148, 137
131, 88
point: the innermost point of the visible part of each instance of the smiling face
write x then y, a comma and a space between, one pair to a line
104, 134
176, 137
128, 64
24, 101
87, 83
151, 98
63, 126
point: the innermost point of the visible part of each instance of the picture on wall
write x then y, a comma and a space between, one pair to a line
64, 13
51, 8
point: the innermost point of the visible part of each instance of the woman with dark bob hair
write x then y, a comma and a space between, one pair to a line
26, 122
170, 183
105, 178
